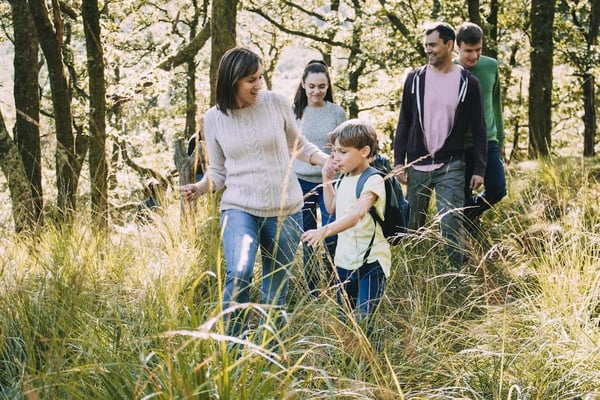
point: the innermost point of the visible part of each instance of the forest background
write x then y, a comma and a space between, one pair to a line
97, 97
114, 97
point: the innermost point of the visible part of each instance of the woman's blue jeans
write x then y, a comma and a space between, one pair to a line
315, 268
278, 240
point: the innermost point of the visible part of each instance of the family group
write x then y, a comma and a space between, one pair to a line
289, 174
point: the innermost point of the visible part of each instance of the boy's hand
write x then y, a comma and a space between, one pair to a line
314, 237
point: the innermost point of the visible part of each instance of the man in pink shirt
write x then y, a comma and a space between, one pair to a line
441, 102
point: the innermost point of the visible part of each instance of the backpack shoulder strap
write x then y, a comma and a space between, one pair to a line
367, 173
361, 183
338, 181
376, 218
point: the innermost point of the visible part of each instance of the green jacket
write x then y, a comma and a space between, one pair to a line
486, 71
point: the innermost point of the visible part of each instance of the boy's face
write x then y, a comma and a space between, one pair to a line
468, 54
349, 159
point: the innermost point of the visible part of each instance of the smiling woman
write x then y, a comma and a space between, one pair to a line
252, 139
317, 115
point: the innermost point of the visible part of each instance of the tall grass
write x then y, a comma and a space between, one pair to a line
134, 312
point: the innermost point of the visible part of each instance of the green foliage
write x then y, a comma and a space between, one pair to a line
371, 45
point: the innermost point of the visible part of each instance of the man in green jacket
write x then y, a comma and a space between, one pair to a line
469, 41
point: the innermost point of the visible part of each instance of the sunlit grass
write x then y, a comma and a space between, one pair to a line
134, 312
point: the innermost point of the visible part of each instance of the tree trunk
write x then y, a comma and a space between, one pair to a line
190, 89
27, 100
222, 35
589, 85
356, 67
190, 104
18, 184
356, 64
473, 10
327, 54
492, 42
50, 36
97, 128
540, 84
589, 115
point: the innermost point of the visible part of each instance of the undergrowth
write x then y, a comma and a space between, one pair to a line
134, 312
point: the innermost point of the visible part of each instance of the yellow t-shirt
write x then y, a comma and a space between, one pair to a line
353, 242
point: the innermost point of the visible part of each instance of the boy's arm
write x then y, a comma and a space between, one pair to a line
314, 237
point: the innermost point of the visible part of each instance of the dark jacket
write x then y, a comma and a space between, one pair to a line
409, 142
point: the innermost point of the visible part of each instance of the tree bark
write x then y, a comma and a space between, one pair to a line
492, 42
540, 84
190, 88
589, 115
18, 184
356, 64
97, 86
27, 100
50, 36
589, 85
190, 96
222, 35
473, 10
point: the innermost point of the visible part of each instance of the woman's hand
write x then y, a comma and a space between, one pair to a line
330, 169
190, 192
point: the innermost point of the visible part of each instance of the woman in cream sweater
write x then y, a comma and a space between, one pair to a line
252, 140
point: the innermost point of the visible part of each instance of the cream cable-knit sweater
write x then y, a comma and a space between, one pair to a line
250, 155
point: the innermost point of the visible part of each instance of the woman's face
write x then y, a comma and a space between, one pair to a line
315, 85
247, 88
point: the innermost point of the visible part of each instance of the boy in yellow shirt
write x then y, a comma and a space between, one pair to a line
363, 255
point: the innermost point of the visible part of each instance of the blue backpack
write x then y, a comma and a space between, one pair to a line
396, 215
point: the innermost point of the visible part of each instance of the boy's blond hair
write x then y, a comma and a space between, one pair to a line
356, 133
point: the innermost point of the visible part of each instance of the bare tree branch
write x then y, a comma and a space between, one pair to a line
142, 171
294, 32
401, 27
68, 10
188, 51
310, 13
